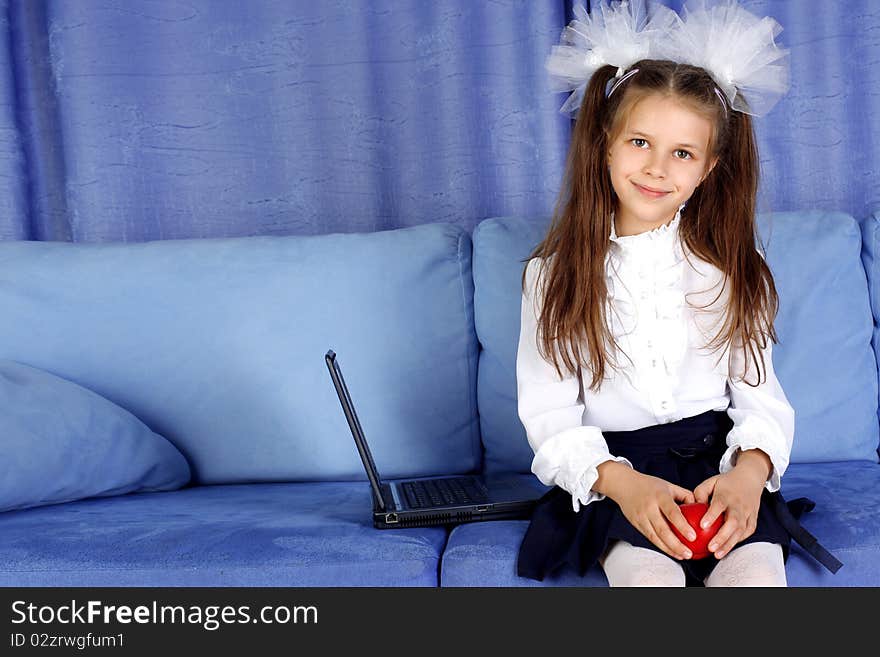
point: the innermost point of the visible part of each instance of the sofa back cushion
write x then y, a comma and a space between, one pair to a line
501, 246
218, 345
823, 360
870, 227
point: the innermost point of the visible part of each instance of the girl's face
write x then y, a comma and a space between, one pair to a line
656, 162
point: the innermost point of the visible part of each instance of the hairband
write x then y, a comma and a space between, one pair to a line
615, 82
721, 98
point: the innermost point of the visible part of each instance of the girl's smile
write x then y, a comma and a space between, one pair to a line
650, 192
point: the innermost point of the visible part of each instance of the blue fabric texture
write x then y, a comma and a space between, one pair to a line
62, 442
818, 163
219, 344
846, 520
293, 117
306, 534
824, 359
277, 117
13, 171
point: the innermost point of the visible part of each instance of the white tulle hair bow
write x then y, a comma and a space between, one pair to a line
734, 46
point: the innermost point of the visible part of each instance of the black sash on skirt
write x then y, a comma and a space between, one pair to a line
686, 452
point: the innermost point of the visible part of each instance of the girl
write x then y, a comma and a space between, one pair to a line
644, 367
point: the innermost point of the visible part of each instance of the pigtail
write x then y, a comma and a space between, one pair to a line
720, 228
572, 327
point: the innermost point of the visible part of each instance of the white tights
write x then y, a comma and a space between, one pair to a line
753, 564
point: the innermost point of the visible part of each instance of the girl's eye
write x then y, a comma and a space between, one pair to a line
686, 156
638, 139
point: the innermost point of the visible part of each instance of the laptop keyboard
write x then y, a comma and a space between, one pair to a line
442, 492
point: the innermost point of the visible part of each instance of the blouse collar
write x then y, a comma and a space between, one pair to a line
669, 229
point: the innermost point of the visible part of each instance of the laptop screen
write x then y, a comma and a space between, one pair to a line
355, 425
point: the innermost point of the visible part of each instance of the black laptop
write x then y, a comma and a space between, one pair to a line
436, 500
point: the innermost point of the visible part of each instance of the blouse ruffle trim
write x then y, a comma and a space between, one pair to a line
644, 281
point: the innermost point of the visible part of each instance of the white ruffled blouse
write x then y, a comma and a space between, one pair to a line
663, 310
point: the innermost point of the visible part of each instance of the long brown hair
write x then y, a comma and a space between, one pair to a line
717, 224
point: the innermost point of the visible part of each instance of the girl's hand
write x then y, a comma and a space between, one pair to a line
737, 494
651, 504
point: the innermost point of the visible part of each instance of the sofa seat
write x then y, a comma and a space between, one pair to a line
846, 520
271, 534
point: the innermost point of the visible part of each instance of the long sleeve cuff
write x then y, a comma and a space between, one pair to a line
571, 459
754, 432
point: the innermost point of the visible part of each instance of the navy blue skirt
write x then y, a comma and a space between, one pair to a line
686, 452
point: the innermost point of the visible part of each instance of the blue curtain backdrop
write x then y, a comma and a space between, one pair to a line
136, 120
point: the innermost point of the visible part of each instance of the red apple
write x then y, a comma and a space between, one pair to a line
693, 513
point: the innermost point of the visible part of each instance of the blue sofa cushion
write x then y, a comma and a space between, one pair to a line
823, 360
295, 534
61, 442
218, 344
501, 247
846, 520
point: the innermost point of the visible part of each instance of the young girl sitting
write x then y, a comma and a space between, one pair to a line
644, 368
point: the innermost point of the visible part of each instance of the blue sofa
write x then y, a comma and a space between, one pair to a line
168, 419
